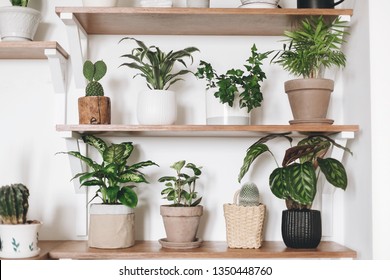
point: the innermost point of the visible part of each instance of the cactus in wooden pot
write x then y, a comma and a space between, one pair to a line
14, 204
249, 195
94, 72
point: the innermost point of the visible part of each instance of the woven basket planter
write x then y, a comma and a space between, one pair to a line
244, 225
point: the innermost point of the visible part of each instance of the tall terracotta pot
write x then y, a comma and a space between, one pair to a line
181, 223
309, 99
94, 110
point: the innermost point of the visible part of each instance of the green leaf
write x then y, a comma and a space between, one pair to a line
130, 176
167, 178
115, 154
89, 70
301, 182
252, 153
142, 164
194, 168
334, 172
95, 142
127, 196
100, 70
178, 165
85, 159
112, 194
278, 183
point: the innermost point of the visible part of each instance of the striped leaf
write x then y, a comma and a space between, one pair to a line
334, 172
301, 182
252, 153
95, 142
277, 182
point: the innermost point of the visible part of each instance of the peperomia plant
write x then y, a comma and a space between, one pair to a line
181, 187
21, 3
228, 84
113, 174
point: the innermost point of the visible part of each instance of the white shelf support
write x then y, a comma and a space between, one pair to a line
78, 43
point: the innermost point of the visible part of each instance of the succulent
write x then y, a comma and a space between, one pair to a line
14, 204
21, 3
94, 72
249, 195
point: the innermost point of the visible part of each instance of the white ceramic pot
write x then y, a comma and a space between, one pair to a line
111, 226
18, 23
156, 3
100, 3
198, 3
156, 107
19, 241
262, 4
222, 114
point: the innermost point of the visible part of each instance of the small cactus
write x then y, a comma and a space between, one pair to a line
14, 204
93, 73
249, 195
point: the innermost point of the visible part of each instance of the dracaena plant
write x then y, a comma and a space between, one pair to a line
312, 47
156, 66
180, 189
295, 180
21, 3
248, 80
114, 178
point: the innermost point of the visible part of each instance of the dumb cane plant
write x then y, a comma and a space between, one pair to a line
21, 3
176, 185
228, 84
94, 72
155, 65
113, 174
312, 47
14, 204
296, 180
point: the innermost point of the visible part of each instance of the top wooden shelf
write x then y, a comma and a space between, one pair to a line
205, 130
29, 49
192, 21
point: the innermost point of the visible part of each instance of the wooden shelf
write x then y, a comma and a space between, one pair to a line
29, 49
208, 250
46, 247
191, 21
204, 130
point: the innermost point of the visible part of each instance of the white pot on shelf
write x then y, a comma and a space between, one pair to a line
198, 3
156, 107
100, 3
156, 3
262, 4
18, 23
19, 241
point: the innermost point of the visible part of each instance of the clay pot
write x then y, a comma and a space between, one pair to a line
94, 110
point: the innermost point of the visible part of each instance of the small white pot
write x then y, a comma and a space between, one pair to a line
263, 4
198, 3
156, 107
111, 226
222, 114
100, 3
19, 241
18, 23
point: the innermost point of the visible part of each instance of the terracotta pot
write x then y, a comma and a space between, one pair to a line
181, 223
301, 228
309, 98
94, 110
111, 226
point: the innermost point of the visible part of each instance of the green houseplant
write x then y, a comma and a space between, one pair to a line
238, 89
296, 182
18, 236
182, 217
157, 106
315, 45
19, 22
94, 107
116, 181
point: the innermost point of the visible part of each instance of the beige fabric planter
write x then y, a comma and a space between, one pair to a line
181, 223
111, 226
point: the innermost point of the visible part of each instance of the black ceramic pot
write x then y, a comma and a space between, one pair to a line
317, 4
301, 228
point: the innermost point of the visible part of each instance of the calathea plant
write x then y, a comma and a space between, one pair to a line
21, 3
181, 187
155, 65
94, 72
113, 175
228, 84
296, 180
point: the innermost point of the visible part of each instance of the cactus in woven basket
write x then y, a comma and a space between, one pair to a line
14, 204
94, 72
249, 195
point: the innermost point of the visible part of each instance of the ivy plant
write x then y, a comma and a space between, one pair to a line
247, 82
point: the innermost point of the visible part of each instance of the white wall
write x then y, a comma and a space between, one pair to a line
29, 140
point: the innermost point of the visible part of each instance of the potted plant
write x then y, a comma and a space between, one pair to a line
310, 49
100, 3
296, 182
182, 217
157, 106
230, 97
94, 107
115, 180
18, 236
19, 22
